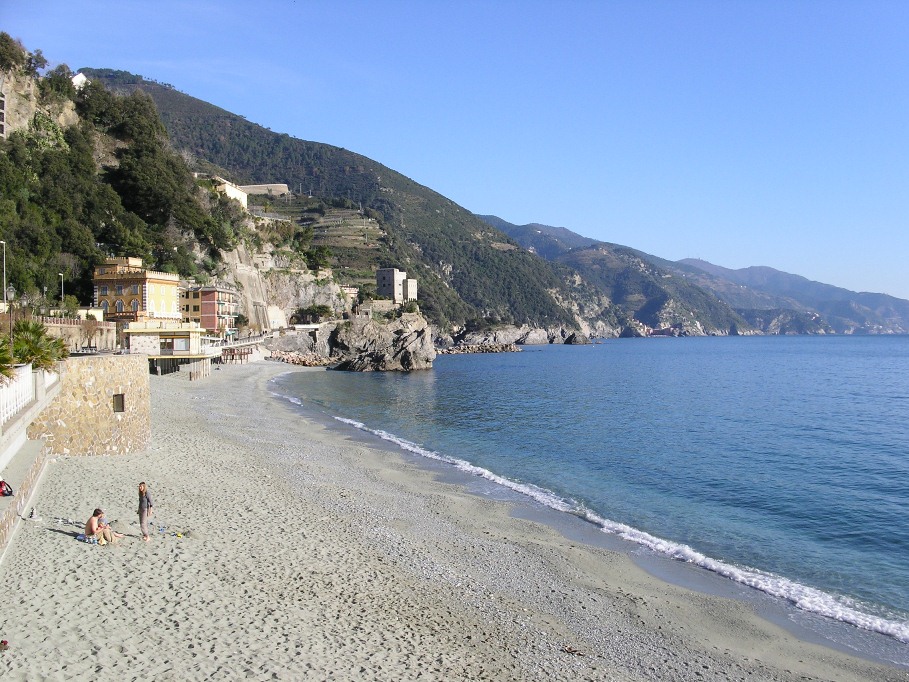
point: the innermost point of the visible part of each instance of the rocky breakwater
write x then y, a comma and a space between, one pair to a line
480, 348
303, 359
524, 336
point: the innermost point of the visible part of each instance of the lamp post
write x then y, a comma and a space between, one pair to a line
5, 305
61, 293
9, 294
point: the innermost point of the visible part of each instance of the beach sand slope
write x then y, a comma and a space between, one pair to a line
309, 556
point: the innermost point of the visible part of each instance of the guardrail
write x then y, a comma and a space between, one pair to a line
17, 393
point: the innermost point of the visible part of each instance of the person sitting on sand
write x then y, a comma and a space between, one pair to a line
97, 528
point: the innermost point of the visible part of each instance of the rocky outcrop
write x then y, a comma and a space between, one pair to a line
405, 344
361, 345
576, 339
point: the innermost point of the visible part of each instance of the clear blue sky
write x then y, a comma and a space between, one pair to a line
744, 133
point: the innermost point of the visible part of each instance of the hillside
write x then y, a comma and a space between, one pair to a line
467, 271
845, 311
760, 298
84, 175
645, 291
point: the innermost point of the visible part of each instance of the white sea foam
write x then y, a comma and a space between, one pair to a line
801, 596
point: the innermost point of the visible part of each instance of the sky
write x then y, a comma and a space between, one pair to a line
740, 132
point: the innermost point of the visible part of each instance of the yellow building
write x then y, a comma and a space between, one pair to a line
127, 291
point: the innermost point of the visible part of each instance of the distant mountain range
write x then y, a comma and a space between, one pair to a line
762, 298
482, 270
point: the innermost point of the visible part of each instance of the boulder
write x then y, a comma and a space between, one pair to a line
364, 345
576, 339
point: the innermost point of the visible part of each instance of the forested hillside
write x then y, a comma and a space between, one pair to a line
635, 282
107, 184
467, 271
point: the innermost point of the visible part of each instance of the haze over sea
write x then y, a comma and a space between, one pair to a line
781, 463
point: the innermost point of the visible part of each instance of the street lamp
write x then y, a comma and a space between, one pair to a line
61, 293
5, 305
9, 294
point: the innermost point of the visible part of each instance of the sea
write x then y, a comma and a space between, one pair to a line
777, 466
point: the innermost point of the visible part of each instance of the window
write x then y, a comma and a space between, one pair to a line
119, 306
195, 294
102, 290
119, 402
135, 289
118, 290
104, 306
195, 308
135, 305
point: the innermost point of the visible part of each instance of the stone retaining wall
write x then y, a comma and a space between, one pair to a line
85, 418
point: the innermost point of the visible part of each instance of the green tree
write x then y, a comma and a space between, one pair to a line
12, 54
57, 85
318, 258
7, 361
31, 343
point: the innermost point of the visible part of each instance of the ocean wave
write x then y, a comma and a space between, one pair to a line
803, 597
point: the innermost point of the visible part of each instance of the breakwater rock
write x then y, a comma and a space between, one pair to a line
480, 348
301, 359
524, 336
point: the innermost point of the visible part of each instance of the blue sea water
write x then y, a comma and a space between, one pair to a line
781, 463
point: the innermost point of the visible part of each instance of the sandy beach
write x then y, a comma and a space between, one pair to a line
308, 556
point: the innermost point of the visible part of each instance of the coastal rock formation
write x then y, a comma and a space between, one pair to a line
576, 339
360, 345
405, 344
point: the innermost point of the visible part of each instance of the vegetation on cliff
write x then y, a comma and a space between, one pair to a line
109, 184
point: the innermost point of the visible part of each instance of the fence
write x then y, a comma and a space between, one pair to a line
16, 393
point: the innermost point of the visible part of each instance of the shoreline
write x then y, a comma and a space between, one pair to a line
312, 555
806, 626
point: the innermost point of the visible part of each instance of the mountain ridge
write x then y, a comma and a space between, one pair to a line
753, 292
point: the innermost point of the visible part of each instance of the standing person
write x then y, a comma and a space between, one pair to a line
145, 509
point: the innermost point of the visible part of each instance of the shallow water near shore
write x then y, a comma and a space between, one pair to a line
778, 463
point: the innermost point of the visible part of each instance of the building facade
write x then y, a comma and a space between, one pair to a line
394, 284
214, 308
128, 292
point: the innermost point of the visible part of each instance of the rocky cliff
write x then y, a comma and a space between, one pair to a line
364, 345
270, 289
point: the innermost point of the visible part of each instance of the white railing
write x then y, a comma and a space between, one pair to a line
16, 393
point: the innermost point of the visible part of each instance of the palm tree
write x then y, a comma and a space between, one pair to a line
6, 361
31, 343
